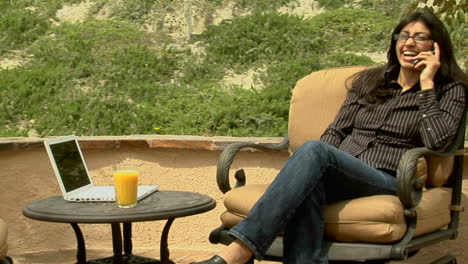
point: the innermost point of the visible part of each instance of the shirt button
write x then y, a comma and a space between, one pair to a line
424, 115
420, 95
429, 129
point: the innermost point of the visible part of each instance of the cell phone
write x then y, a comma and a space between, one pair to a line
416, 61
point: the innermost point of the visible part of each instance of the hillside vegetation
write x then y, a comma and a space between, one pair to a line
128, 67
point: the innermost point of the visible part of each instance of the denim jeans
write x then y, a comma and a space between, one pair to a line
315, 175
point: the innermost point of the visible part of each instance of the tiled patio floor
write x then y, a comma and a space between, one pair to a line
69, 256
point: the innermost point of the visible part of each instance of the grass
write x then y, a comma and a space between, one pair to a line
113, 77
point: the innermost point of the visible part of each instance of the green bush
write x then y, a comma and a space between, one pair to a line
346, 59
354, 30
391, 9
80, 73
273, 37
20, 27
92, 40
132, 10
112, 78
261, 6
261, 37
24, 21
332, 4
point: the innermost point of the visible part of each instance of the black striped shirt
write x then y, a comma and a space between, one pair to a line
380, 135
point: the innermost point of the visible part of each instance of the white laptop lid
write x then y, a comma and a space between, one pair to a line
69, 166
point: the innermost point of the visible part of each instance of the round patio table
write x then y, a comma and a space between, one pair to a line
160, 205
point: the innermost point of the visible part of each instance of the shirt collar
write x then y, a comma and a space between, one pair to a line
391, 76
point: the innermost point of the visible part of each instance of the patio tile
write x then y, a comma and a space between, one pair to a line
64, 256
69, 256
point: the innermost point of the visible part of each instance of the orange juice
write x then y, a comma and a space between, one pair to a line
126, 186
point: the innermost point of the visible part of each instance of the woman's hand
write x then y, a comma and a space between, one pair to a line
428, 63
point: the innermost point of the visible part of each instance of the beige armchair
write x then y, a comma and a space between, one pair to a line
4, 259
375, 229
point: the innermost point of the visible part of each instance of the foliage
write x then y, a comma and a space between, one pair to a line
346, 59
20, 26
111, 77
354, 29
261, 6
391, 9
8, 131
261, 37
273, 37
132, 10
332, 4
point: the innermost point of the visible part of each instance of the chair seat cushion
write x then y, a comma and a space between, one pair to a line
373, 219
3, 239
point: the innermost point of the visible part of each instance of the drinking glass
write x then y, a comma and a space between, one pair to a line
126, 184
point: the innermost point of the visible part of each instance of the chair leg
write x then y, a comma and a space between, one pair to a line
449, 259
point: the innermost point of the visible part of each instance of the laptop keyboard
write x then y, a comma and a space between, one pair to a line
96, 193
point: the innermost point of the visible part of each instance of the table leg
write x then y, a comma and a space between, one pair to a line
127, 236
117, 243
164, 250
81, 248
118, 258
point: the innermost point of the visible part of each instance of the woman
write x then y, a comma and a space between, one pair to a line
416, 99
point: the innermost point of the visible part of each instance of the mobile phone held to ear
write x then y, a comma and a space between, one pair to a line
416, 61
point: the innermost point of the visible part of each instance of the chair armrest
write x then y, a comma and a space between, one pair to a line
228, 155
410, 187
410, 190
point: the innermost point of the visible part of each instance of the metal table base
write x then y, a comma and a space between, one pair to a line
126, 256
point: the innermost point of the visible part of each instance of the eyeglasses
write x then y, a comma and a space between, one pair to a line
419, 38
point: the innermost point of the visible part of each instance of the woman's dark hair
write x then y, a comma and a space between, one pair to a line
371, 83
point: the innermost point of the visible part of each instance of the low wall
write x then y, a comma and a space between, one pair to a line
174, 162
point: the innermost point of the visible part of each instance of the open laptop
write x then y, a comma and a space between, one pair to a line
73, 176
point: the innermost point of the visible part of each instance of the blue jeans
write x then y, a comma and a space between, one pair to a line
316, 174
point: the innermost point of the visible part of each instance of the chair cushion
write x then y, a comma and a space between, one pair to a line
3, 239
421, 169
374, 219
439, 170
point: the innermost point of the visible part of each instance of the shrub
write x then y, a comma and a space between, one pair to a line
346, 59
261, 6
261, 37
392, 8
132, 10
19, 27
354, 30
111, 78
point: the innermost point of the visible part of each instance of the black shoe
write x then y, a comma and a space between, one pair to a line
214, 260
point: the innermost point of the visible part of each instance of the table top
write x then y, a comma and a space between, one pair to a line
157, 206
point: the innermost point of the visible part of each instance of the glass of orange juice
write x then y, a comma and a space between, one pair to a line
126, 184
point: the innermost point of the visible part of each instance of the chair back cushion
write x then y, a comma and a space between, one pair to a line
315, 102
3, 239
439, 170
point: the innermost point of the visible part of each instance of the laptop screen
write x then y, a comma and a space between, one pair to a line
70, 165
